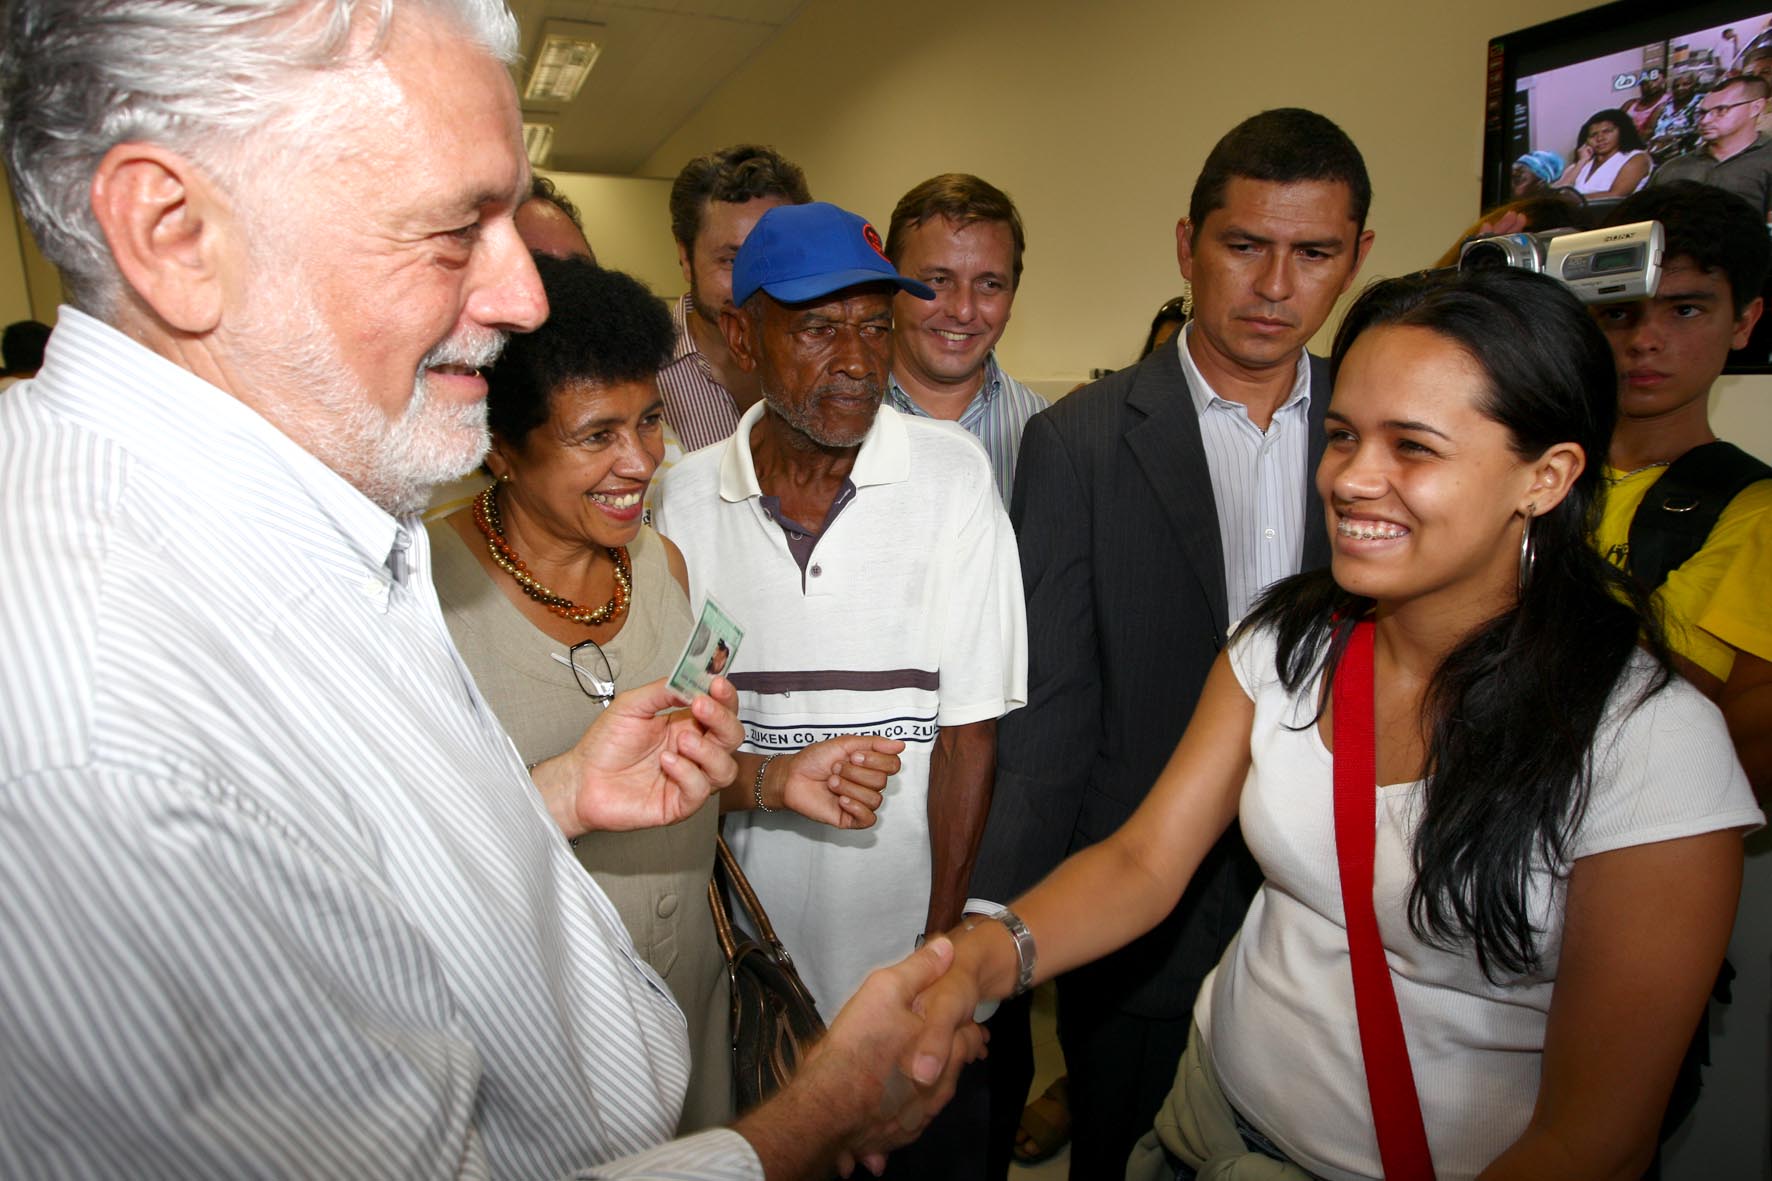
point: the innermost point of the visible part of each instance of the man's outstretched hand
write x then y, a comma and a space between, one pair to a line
850, 1103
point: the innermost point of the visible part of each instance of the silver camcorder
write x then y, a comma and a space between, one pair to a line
1599, 266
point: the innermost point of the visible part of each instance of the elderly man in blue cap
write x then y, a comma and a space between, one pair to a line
868, 558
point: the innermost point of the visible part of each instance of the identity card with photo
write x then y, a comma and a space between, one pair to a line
710, 651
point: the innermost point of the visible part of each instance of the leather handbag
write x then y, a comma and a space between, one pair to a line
774, 1019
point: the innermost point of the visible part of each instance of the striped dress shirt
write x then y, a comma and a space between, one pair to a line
1258, 480
277, 897
697, 407
995, 416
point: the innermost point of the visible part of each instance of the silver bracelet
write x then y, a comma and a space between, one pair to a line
757, 787
1024, 949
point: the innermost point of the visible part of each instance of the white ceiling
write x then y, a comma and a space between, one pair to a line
660, 61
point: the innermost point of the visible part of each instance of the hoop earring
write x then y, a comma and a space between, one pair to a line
1528, 550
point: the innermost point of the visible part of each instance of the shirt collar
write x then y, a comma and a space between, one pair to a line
685, 342
987, 390
1760, 141
885, 456
212, 445
1204, 396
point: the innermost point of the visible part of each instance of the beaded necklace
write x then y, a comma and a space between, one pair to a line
486, 520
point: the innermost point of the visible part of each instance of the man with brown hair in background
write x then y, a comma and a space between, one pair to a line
962, 237
549, 223
715, 201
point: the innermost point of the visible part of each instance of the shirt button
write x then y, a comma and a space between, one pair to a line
373, 586
667, 905
1268, 533
817, 570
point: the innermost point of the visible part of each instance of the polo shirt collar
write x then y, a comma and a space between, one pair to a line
885, 456
1760, 141
685, 342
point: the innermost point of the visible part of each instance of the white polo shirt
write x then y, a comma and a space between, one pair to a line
908, 617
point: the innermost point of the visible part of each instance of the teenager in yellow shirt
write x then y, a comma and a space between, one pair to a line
1669, 351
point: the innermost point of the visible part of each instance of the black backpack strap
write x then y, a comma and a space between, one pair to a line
1680, 509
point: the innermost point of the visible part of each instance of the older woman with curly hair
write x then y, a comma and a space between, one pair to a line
559, 596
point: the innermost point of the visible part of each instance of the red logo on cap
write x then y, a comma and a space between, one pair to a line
873, 237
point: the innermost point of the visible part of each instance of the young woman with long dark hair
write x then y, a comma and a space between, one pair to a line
1553, 818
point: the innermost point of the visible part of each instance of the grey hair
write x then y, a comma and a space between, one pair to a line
204, 78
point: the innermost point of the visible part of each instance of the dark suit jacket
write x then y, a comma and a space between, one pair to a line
1124, 574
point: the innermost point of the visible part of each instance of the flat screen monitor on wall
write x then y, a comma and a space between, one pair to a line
1648, 59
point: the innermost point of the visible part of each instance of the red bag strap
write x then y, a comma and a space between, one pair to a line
1390, 1081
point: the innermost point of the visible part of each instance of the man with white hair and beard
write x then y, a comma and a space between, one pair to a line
281, 899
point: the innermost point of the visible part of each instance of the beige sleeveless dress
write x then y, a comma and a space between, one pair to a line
658, 878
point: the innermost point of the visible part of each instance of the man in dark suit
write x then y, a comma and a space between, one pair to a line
1151, 507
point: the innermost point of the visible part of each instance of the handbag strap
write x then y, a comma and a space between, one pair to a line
727, 864
722, 920
1390, 1081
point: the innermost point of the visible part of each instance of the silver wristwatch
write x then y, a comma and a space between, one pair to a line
1024, 949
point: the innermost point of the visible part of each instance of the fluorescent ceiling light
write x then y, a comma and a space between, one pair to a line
568, 51
538, 141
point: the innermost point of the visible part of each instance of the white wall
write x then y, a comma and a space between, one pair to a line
1096, 118
29, 287
15, 297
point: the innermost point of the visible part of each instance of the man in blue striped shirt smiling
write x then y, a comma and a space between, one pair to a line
961, 237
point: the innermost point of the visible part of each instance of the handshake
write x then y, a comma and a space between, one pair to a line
873, 1082
891, 1057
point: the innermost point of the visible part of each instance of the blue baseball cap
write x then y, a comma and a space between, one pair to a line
802, 252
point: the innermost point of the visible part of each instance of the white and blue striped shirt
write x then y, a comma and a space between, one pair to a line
1258, 480
995, 416
276, 894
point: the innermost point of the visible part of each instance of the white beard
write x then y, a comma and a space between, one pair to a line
305, 389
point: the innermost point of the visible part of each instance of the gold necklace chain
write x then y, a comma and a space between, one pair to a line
487, 521
1639, 470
